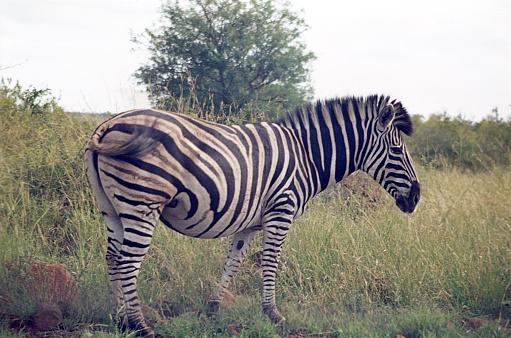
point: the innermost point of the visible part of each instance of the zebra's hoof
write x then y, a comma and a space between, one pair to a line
274, 315
145, 333
141, 329
213, 307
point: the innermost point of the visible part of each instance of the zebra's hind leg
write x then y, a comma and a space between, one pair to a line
240, 244
115, 239
115, 233
137, 239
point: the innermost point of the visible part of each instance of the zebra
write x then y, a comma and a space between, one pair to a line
209, 180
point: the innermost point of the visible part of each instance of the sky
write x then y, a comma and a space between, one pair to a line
434, 56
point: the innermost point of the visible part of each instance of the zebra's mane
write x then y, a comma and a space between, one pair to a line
367, 108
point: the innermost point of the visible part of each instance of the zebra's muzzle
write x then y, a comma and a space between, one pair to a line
409, 204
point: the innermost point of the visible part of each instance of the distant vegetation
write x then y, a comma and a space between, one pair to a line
442, 141
353, 265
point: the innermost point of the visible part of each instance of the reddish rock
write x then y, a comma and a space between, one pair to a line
47, 282
53, 279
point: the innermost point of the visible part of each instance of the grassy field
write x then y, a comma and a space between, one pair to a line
353, 265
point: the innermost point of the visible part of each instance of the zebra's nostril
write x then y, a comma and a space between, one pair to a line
415, 192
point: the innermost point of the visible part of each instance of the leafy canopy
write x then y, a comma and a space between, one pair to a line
227, 53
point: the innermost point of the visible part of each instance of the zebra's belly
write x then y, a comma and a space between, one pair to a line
201, 221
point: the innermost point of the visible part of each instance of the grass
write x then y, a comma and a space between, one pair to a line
353, 265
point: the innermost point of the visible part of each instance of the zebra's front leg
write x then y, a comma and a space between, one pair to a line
274, 234
240, 244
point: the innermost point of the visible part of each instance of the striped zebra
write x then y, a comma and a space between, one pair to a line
208, 180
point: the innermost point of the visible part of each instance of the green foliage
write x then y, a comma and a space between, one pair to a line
32, 101
443, 141
230, 53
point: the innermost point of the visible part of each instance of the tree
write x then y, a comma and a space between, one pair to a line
14, 98
228, 53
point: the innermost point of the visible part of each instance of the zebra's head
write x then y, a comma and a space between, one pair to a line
388, 160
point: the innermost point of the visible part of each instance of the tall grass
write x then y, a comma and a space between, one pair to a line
353, 265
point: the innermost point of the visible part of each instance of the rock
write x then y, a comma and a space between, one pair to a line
55, 280
474, 323
46, 317
47, 282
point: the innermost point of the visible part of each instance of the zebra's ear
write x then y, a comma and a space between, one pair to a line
386, 116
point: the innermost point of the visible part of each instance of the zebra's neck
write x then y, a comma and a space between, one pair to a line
333, 134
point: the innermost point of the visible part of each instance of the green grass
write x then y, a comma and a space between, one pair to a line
353, 265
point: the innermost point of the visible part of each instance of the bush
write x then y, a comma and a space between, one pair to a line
442, 141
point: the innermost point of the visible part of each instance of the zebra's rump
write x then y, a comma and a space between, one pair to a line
209, 180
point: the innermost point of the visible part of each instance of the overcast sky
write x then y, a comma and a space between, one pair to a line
434, 55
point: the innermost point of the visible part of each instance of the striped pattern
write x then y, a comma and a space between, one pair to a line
209, 180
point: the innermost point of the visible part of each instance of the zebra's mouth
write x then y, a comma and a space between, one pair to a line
409, 203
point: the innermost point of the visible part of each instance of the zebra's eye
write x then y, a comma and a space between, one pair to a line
396, 150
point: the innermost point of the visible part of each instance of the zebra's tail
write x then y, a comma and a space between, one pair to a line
132, 141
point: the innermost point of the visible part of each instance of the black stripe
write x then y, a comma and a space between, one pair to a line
138, 232
350, 136
132, 244
326, 145
314, 145
361, 138
168, 224
130, 201
137, 187
338, 131
135, 218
